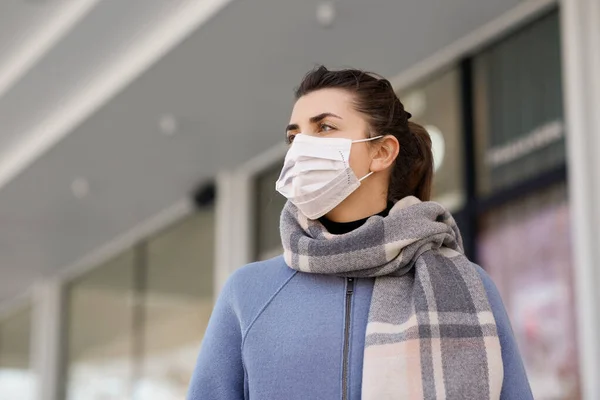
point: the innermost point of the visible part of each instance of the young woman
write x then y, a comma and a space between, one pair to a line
373, 297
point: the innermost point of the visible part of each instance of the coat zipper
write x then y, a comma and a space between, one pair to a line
345, 366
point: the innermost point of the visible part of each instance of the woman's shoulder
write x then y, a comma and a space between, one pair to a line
490, 288
515, 384
261, 275
252, 286
496, 303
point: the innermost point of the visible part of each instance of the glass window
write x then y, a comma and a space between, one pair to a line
526, 248
518, 107
100, 325
17, 380
436, 104
269, 204
135, 324
177, 301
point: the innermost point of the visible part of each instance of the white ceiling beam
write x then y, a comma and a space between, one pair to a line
40, 41
125, 67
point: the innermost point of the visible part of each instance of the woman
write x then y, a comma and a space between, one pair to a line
373, 297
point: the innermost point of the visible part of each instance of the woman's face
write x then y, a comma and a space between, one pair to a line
330, 113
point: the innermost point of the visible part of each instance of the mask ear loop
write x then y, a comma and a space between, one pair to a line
367, 140
366, 176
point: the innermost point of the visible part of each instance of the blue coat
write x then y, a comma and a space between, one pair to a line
278, 334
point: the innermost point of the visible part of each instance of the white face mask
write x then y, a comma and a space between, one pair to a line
316, 176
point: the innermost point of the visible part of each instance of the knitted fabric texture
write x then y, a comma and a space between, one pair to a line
431, 333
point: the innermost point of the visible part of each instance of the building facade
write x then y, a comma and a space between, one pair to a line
511, 109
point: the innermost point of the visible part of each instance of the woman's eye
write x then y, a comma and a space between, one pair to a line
326, 127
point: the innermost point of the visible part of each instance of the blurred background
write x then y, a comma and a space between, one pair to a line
140, 141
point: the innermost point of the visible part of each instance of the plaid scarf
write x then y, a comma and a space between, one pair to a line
431, 332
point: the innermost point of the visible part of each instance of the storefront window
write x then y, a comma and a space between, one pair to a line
526, 248
269, 204
518, 107
436, 104
135, 324
177, 303
17, 380
100, 327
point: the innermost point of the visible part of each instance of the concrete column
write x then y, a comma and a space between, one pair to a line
233, 225
580, 23
46, 338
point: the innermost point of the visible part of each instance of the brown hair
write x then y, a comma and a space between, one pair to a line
374, 96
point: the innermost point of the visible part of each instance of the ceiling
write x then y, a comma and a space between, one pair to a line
92, 82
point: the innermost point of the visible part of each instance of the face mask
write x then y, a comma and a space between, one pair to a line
316, 176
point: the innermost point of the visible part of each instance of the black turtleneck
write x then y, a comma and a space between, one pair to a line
339, 228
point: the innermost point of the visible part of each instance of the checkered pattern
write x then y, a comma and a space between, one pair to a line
431, 332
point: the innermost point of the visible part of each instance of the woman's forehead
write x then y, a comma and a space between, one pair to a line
335, 101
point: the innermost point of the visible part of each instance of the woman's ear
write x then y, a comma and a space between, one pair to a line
385, 153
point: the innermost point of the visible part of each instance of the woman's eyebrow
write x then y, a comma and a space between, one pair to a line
292, 127
321, 117
313, 120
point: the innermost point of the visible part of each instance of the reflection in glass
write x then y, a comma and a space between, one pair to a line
526, 248
135, 324
177, 302
435, 104
100, 323
269, 204
17, 380
518, 107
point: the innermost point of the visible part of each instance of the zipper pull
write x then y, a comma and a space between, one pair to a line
350, 286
